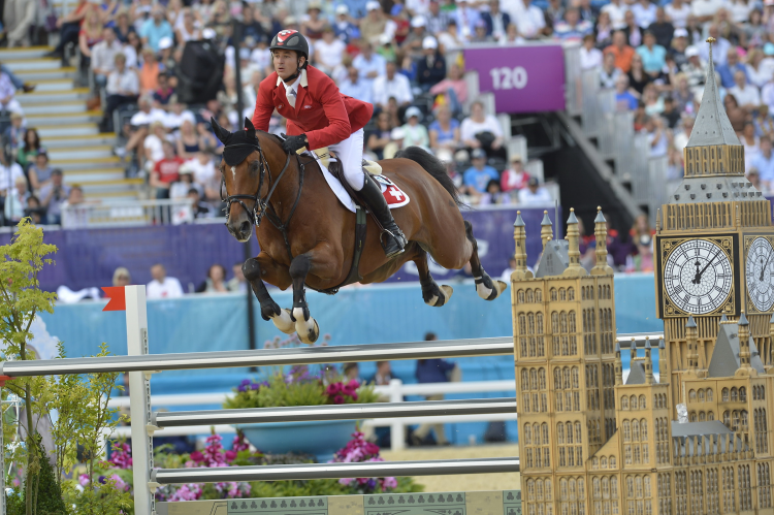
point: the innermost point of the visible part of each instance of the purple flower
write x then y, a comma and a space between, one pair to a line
390, 482
371, 484
242, 388
333, 389
101, 480
197, 456
255, 386
230, 456
338, 399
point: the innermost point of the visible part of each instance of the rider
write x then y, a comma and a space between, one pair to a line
318, 116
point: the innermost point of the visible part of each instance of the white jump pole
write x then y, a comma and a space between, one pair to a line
139, 395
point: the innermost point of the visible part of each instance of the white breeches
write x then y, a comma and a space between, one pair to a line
350, 154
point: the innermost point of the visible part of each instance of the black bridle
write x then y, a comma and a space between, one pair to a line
261, 206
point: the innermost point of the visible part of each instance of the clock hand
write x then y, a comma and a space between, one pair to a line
767, 264
707, 265
697, 275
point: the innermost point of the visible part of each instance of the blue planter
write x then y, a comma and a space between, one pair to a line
321, 439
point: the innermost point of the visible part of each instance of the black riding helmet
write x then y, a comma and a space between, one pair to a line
290, 39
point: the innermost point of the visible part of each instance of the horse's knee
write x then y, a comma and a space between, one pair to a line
251, 269
299, 267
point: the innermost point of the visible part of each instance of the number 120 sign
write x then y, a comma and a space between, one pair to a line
508, 78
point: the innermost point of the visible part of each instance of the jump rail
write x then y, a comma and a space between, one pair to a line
140, 364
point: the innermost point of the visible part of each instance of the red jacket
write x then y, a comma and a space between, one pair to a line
322, 112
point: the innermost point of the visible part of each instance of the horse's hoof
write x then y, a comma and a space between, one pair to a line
500, 286
308, 331
447, 293
284, 322
488, 289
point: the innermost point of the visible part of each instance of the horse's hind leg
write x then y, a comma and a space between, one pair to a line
255, 269
486, 288
432, 294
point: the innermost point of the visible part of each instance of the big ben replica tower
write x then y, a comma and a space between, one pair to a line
714, 249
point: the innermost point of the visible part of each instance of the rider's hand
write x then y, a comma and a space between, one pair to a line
293, 143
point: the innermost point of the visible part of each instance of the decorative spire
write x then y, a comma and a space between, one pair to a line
520, 237
600, 233
691, 339
618, 365
663, 362
744, 342
648, 363
546, 231
574, 269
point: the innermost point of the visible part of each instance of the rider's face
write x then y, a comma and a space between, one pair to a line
285, 63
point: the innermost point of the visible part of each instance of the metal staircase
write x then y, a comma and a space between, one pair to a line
70, 133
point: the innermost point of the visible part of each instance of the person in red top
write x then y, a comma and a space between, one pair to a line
318, 116
166, 171
514, 178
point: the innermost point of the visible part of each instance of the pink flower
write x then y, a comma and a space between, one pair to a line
83, 480
390, 482
197, 456
230, 456
333, 389
119, 484
354, 396
338, 399
345, 481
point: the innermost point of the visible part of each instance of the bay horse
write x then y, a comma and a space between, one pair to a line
310, 240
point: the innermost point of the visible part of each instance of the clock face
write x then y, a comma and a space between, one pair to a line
698, 277
759, 272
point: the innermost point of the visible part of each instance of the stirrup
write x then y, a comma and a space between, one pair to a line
393, 240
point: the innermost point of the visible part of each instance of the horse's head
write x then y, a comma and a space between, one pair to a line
244, 178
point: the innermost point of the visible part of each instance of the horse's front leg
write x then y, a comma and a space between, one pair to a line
264, 267
306, 327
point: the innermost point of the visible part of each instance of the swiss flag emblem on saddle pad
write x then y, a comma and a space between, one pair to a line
394, 196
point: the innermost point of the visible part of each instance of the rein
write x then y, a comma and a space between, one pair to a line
261, 206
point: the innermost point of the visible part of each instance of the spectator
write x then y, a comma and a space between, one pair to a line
164, 92
483, 131
622, 52
604, 30
721, 46
166, 171
91, 32
8, 102
216, 281
179, 189
355, 87
653, 56
199, 208
29, 148
104, 56
534, 194
121, 277
189, 143
477, 177
728, 70
40, 171
122, 89
751, 144
14, 134
654, 103
450, 38
657, 138
480, 35
609, 73
412, 45
75, 214
670, 114
343, 27
133, 51
18, 17
695, 69
644, 13
764, 163
496, 21
454, 87
432, 371
329, 51
682, 137
444, 132
313, 25
514, 178
431, 68
764, 124
415, 134
494, 195
590, 56
704, 10
54, 195
156, 28
755, 32
35, 211
757, 72
15, 201
351, 372
616, 10
392, 85
573, 28
123, 27
238, 283
378, 138
624, 100
149, 72
588, 12
153, 144
677, 12
203, 167
162, 287
69, 28
755, 179
375, 23
437, 19
370, 65
190, 29
530, 20
662, 28
747, 95
383, 374
679, 45
466, 18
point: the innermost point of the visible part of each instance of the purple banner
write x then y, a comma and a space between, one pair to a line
524, 79
87, 257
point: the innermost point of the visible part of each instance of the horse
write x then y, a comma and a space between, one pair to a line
310, 241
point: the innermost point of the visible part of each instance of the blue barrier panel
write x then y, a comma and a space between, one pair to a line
88, 257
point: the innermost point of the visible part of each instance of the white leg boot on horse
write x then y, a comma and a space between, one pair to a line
306, 326
269, 309
486, 287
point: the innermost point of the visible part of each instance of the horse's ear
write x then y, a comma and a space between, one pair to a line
219, 131
249, 127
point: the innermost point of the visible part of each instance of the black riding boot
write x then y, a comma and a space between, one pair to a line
393, 240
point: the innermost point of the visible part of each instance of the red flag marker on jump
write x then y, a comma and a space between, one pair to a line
117, 297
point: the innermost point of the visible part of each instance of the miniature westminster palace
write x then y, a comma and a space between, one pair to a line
693, 439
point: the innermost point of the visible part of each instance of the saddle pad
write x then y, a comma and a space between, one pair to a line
394, 196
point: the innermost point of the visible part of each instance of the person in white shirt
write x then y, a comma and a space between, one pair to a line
122, 88
534, 194
162, 287
154, 143
370, 65
530, 21
392, 84
677, 12
616, 9
10, 174
103, 56
329, 51
590, 56
720, 47
747, 95
705, 10
355, 86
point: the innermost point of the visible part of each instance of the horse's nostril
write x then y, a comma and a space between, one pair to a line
244, 227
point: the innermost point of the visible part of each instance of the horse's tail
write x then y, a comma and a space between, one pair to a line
434, 167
